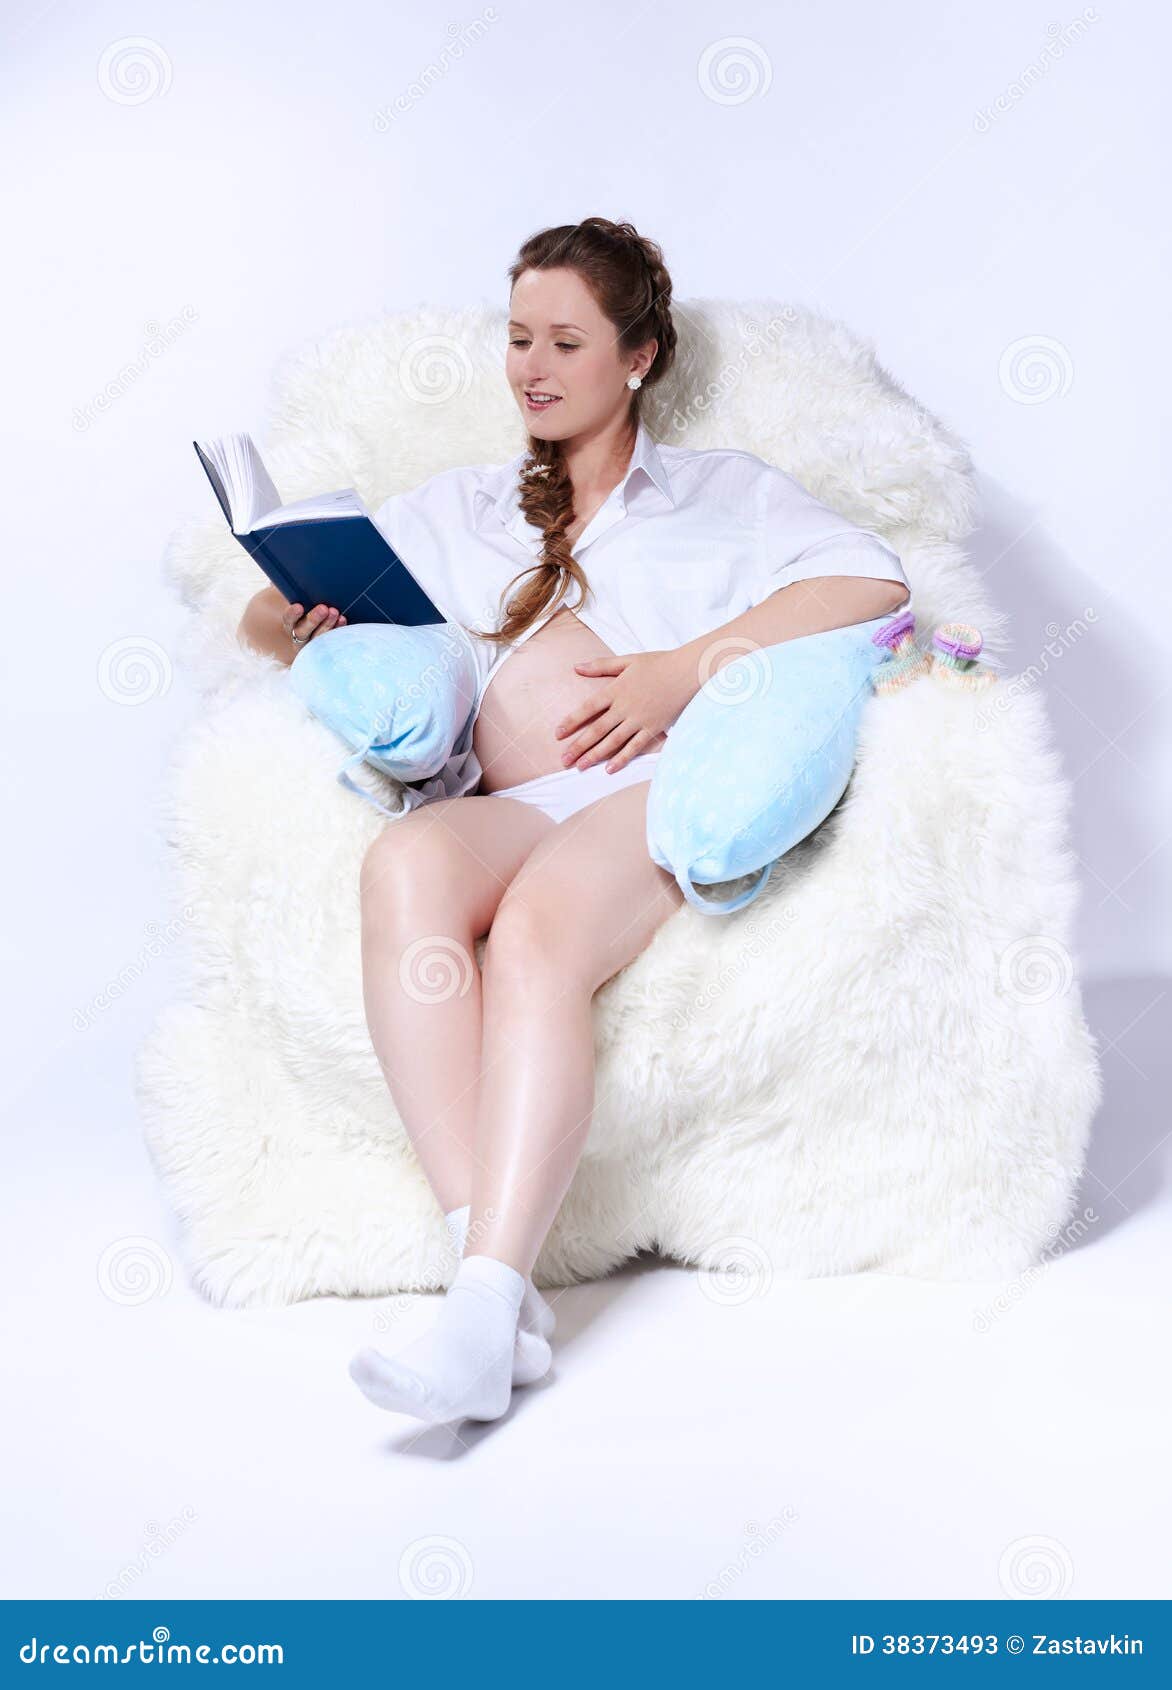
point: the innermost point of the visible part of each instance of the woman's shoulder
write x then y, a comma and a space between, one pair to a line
725, 476
715, 464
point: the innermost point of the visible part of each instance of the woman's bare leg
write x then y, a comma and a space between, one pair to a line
430, 886
561, 929
585, 902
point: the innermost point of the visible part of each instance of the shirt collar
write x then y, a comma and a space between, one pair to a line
501, 490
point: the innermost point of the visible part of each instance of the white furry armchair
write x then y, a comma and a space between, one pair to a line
880, 1064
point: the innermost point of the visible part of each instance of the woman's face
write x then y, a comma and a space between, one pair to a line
561, 344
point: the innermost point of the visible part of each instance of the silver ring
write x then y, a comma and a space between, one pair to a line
295, 639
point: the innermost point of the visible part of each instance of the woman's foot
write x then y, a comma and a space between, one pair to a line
463, 1368
536, 1315
532, 1357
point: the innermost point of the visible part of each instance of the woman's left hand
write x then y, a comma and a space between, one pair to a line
642, 694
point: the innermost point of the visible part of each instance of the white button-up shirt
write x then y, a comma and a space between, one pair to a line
688, 540
685, 542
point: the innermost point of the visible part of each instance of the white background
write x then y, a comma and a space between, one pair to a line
256, 190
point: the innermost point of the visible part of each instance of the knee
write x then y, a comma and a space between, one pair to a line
533, 939
403, 874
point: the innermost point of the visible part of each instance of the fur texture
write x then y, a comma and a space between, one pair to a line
880, 1064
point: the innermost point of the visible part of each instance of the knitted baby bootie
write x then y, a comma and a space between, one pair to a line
904, 662
955, 649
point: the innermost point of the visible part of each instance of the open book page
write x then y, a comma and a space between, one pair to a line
244, 482
316, 508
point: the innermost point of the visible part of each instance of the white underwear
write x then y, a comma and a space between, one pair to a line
566, 791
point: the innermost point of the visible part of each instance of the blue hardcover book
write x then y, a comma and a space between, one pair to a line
321, 550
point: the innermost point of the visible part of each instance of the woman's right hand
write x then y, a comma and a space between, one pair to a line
319, 620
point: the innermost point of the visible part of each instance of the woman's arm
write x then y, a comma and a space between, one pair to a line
809, 606
269, 618
642, 694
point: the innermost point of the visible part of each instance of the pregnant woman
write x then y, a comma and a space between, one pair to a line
679, 560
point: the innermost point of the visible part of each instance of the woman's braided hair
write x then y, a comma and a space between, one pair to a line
628, 278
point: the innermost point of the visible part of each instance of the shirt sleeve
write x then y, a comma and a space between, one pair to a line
802, 538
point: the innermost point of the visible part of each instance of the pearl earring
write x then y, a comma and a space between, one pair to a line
634, 381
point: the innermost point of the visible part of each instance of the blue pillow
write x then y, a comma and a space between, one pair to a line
399, 697
761, 755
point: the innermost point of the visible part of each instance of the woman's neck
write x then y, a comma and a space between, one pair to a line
598, 461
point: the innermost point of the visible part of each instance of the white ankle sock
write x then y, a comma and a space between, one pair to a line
536, 1314
462, 1368
532, 1356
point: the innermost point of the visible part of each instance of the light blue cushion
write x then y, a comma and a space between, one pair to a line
399, 697
760, 756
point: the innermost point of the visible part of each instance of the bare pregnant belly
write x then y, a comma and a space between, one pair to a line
536, 685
